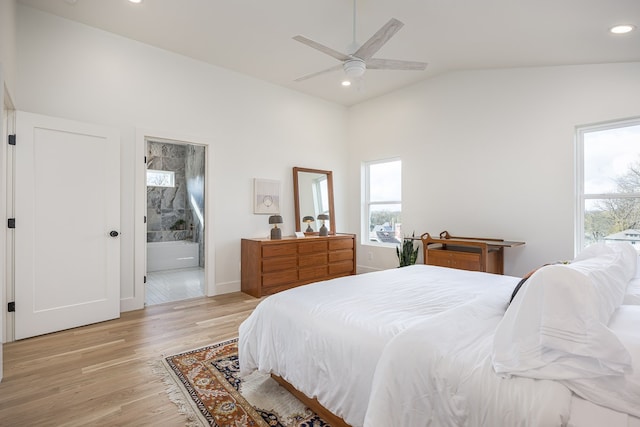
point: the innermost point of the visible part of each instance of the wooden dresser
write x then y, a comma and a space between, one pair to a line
466, 253
270, 266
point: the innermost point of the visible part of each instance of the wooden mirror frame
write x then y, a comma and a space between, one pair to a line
296, 198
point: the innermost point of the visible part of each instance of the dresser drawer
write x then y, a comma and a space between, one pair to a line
312, 247
342, 267
278, 263
313, 273
338, 244
314, 260
279, 278
340, 256
278, 250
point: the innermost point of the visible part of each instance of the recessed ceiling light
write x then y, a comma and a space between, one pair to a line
136, 1
622, 29
346, 83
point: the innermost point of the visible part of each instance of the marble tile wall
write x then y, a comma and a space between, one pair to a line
195, 176
170, 215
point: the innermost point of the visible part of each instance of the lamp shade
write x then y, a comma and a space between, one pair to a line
323, 216
275, 219
308, 219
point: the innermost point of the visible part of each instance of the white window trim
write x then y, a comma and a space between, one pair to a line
364, 240
581, 197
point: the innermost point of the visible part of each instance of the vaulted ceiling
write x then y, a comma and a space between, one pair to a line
254, 37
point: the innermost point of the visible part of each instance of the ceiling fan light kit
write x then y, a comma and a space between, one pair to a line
355, 67
356, 63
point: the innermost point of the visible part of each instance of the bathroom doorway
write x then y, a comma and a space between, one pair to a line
175, 203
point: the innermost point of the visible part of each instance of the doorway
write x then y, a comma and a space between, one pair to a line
175, 202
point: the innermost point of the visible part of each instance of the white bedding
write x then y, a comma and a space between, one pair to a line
407, 347
329, 333
457, 386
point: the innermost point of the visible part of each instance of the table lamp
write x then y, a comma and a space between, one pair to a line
323, 230
308, 220
276, 233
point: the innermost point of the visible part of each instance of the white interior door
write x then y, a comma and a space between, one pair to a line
67, 205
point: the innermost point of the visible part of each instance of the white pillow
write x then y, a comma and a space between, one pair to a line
626, 250
632, 297
621, 393
556, 326
631, 261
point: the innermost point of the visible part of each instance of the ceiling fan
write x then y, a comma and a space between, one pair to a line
361, 58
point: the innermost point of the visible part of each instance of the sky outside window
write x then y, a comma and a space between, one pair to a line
608, 155
385, 181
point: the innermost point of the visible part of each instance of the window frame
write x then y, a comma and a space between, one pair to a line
581, 196
366, 200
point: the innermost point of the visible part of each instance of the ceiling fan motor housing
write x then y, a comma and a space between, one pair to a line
354, 67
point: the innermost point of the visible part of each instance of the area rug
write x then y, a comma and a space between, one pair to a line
206, 385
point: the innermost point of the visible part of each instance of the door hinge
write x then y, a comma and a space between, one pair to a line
145, 160
145, 279
145, 219
11, 222
11, 307
12, 139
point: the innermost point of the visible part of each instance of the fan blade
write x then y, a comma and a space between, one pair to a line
328, 70
322, 48
376, 41
395, 64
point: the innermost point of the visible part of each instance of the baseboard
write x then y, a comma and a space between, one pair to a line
226, 288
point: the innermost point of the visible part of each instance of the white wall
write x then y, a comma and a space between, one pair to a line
489, 153
259, 130
8, 42
486, 153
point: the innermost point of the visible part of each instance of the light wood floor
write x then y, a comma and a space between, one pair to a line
100, 375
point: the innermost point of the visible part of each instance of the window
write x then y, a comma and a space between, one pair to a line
383, 202
608, 183
158, 178
320, 195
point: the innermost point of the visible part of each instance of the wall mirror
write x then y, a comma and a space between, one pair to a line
313, 195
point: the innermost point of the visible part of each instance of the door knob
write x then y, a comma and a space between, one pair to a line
113, 233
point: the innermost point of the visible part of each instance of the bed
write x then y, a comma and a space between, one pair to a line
427, 345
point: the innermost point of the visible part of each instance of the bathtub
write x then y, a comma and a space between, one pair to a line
171, 255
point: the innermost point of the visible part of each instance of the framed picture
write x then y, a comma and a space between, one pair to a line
266, 196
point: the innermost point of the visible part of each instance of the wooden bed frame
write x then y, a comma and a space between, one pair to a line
312, 403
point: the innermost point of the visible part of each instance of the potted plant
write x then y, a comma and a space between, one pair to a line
409, 253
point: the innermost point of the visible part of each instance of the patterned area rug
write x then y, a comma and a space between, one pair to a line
206, 386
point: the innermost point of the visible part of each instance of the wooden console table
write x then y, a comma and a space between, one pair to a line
466, 253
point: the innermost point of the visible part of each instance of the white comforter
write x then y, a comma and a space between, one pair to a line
328, 338
445, 377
